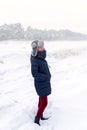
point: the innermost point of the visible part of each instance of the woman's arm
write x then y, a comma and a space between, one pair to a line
38, 76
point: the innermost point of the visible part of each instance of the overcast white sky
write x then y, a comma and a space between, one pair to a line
46, 14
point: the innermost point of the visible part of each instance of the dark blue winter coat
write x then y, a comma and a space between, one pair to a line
41, 74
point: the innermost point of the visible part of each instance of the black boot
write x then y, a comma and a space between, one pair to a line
36, 120
44, 118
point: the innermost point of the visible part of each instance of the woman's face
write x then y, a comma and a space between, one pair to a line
40, 49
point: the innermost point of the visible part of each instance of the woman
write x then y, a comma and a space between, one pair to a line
42, 76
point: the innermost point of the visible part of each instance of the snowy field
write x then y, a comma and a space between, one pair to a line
67, 106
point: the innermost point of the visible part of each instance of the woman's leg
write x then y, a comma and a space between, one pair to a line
39, 103
43, 101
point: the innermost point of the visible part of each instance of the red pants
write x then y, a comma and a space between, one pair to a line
43, 101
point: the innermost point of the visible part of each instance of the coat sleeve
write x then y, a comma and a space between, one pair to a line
38, 76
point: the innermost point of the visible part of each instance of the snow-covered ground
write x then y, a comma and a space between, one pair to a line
18, 99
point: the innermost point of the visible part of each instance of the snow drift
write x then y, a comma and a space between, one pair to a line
67, 106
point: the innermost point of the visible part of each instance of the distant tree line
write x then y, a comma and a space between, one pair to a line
17, 32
